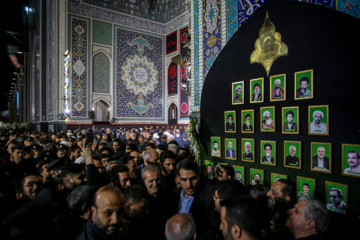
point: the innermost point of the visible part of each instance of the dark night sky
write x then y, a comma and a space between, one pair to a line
10, 22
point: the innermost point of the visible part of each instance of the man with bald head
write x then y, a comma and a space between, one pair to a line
107, 215
180, 226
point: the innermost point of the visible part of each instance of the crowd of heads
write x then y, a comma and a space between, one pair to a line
124, 182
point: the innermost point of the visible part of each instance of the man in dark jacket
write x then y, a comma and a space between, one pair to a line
107, 215
196, 198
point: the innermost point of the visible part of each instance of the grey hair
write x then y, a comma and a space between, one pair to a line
317, 211
173, 147
181, 226
149, 168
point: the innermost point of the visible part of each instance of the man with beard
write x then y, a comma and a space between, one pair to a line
303, 91
267, 123
268, 158
320, 161
257, 95
196, 197
247, 124
317, 126
240, 219
216, 151
237, 97
29, 185
107, 215
120, 176
150, 156
292, 160
168, 163
248, 154
136, 208
256, 180
281, 197
277, 92
289, 125
230, 125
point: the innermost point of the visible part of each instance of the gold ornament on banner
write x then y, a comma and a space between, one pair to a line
268, 47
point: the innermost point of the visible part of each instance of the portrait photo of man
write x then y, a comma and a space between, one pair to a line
292, 160
320, 162
237, 92
267, 121
267, 154
336, 201
256, 89
277, 92
215, 150
248, 155
256, 179
248, 121
305, 191
319, 122
353, 160
290, 120
230, 151
303, 84
230, 121
238, 174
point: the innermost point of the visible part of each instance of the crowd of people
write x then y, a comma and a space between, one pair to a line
136, 184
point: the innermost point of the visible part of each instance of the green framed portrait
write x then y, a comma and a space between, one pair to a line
336, 197
230, 148
278, 87
238, 92
267, 119
305, 187
239, 174
210, 168
248, 149
321, 157
304, 84
277, 176
247, 121
215, 147
351, 160
268, 152
319, 120
257, 90
230, 121
292, 154
256, 176
290, 120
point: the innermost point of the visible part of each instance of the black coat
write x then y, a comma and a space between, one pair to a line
203, 211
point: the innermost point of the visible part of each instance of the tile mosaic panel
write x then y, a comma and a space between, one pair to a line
79, 60
101, 73
139, 75
212, 42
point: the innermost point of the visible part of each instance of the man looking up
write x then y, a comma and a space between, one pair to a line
308, 219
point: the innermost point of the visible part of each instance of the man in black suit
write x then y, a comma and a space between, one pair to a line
230, 126
196, 197
320, 162
268, 158
230, 153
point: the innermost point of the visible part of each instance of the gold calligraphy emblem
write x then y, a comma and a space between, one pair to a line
268, 47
